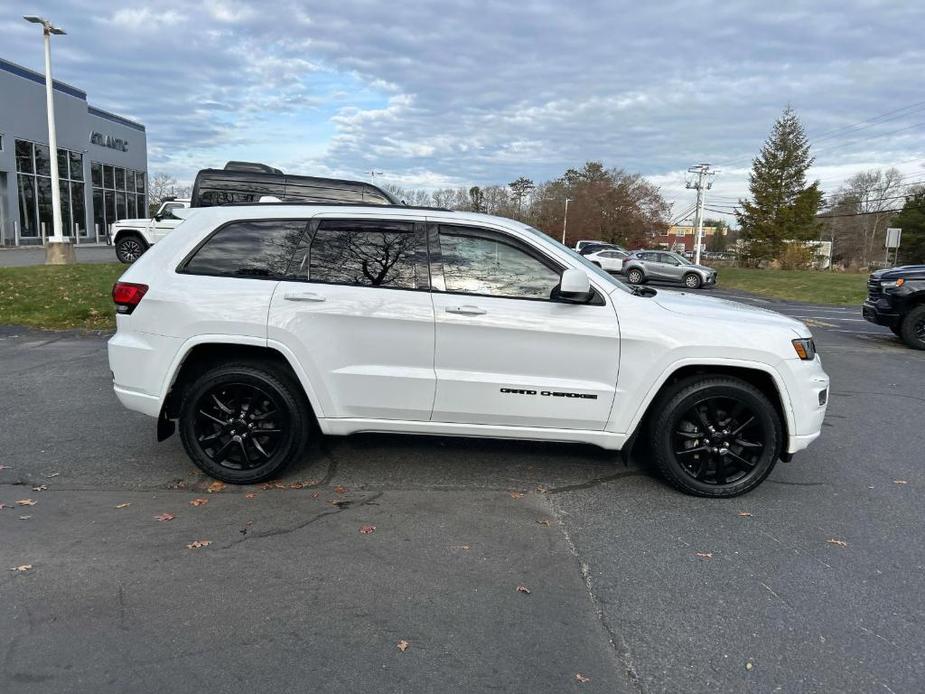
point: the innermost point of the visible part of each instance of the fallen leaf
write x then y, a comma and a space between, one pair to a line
340, 503
744, 514
368, 529
340, 490
164, 517
196, 544
840, 543
543, 522
216, 487
4, 467
704, 555
315, 495
40, 488
403, 645
900, 482
25, 502
250, 496
521, 588
296, 485
24, 567
581, 679
25, 517
54, 474
199, 502
516, 495
540, 489
465, 547
125, 505
748, 665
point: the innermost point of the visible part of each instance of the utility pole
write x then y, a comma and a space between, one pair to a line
702, 171
565, 219
58, 250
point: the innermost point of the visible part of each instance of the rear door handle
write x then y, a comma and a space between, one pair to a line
307, 296
466, 310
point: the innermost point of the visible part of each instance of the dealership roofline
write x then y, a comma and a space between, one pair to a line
26, 73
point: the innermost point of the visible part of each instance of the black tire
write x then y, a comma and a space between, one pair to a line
692, 280
912, 330
223, 436
635, 276
690, 454
130, 247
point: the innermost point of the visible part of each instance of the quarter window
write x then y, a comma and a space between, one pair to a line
248, 248
362, 253
477, 264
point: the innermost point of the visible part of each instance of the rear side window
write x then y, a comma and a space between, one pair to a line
249, 248
362, 253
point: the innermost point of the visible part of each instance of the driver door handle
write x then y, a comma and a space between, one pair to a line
466, 310
306, 296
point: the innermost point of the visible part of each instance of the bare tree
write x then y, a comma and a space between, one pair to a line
859, 214
162, 186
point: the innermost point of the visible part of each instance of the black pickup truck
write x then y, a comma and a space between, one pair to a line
896, 299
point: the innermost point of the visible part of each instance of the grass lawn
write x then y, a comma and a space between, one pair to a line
58, 297
842, 288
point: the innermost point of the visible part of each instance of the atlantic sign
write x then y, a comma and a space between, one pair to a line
109, 141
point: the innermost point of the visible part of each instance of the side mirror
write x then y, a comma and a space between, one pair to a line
574, 286
157, 217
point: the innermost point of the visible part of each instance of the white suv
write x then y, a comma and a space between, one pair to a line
132, 237
261, 321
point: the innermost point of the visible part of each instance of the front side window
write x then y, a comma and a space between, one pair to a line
167, 211
361, 253
476, 263
248, 248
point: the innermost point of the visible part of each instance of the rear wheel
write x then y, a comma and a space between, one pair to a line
244, 423
692, 280
912, 330
715, 436
635, 276
129, 248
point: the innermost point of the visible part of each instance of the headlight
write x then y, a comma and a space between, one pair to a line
805, 348
893, 284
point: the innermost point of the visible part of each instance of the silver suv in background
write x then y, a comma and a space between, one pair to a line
643, 266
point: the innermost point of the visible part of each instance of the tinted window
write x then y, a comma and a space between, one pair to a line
167, 212
362, 253
252, 248
211, 198
478, 264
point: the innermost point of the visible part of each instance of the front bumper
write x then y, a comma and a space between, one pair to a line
808, 387
880, 312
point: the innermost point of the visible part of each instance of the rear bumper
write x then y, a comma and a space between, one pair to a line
140, 363
880, 314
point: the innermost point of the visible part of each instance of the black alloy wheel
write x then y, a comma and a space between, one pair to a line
913, 328
716, 436
129, 249
242, 423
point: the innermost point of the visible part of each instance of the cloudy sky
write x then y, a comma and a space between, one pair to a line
457, 93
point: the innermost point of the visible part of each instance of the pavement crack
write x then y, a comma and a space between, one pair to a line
596, 482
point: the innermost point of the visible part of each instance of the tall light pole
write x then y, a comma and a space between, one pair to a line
57, 250
702, 171
565, 219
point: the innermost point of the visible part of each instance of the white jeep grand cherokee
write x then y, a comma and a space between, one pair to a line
261, 321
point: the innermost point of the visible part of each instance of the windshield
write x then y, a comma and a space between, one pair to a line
603, 274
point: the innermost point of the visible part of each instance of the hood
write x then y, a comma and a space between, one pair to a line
708, 307
130, 222
909, 271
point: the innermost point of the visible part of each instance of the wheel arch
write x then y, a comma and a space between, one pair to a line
762, 376
130, 231
199, 354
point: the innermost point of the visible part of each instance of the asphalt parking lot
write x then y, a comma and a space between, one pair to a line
811, 583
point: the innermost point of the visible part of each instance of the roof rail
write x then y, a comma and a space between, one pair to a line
252, 166
308, 203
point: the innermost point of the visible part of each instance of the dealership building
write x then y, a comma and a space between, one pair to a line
102, 162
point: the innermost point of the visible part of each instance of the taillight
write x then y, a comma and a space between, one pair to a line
127, 296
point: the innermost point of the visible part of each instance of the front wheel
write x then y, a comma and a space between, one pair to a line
913, 328
715, 436
130, 248
635, 276
692, 280
243, 423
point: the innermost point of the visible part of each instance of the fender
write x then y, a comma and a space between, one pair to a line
779, 384
197, 340
121, 231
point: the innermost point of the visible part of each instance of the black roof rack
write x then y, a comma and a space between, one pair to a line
252, 166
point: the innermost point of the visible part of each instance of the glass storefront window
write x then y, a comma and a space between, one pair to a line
62, 163
42, 161
67, 227
142, 210
120, 205
108, 177
77, 166
120, 179
99, 219
96, 174
110, 207
24, 157
140, 182
43, 187
27, 223
78, 207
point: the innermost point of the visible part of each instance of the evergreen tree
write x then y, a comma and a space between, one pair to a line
782, 207
912, 221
